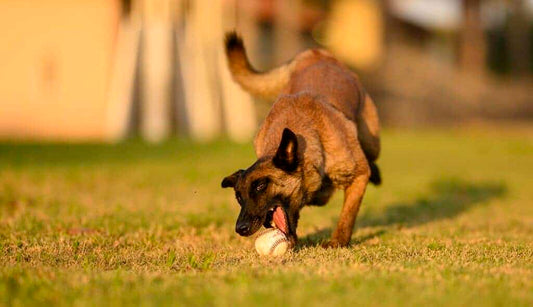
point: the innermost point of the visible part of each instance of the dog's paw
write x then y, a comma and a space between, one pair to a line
331, 244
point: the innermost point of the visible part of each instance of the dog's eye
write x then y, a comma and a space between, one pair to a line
258, 187
261, 186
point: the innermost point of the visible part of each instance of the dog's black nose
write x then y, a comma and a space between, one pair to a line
242, 228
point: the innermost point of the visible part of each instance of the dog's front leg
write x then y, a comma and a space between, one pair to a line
353, 195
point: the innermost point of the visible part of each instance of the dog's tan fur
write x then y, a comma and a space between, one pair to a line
336, 125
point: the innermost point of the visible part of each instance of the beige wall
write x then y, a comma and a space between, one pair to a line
55, 60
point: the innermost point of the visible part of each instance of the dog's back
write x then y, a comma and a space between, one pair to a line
315, 72
327, 78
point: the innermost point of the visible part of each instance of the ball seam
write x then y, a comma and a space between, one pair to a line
275, 244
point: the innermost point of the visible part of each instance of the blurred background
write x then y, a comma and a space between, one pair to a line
107, 70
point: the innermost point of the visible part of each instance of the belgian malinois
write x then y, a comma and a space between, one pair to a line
321, 134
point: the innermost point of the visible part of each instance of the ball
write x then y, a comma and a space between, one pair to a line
272, 242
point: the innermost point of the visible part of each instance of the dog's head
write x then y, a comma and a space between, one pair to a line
271, 182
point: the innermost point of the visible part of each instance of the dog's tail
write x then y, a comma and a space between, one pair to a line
375, 175
262, 84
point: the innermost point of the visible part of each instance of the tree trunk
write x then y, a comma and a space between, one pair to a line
517, 38
287, 37
472, 45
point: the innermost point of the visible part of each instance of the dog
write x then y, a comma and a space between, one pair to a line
321, 134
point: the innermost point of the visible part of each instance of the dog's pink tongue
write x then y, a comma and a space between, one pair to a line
280, 221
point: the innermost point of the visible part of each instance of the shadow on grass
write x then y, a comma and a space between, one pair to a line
447, 199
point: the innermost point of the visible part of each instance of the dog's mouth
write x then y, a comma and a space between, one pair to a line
277, 218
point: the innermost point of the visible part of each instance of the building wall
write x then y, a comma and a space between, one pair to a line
55, 61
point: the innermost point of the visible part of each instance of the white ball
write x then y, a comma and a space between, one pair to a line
271, 242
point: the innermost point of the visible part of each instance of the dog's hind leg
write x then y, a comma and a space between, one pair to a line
368, 129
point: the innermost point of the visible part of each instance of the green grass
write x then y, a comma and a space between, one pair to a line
137, 224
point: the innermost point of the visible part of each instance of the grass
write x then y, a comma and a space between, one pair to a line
136, 224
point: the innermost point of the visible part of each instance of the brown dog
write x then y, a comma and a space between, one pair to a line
322, 133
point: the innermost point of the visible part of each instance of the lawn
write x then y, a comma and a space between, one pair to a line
131, 223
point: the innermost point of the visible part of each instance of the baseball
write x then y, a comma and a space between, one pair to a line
271, 242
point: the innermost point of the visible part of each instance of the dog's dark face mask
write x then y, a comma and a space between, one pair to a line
266, 187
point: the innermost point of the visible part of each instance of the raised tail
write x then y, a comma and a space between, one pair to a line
262, 84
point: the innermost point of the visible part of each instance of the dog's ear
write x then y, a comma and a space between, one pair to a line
286, 157
231, 180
